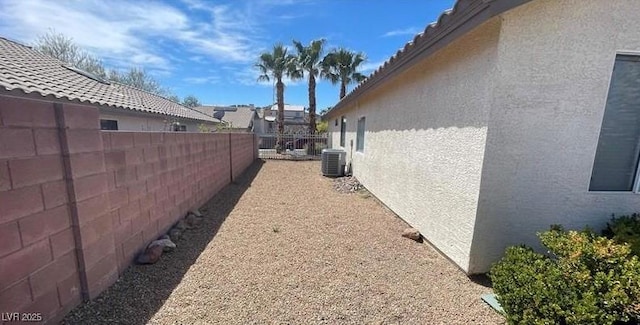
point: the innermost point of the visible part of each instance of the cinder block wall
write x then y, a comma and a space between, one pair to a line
243, 151
77, 204
152, 178
38, 262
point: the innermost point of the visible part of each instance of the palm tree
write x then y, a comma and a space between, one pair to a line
310, 61
341, 66
278, 64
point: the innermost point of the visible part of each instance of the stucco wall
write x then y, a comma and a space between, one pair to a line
425, 138
144, 122
555, 62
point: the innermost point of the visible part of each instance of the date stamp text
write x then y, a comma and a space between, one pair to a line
20, 317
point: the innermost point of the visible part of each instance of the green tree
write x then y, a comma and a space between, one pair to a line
191, 101
174, 98
277, 64
322, 126
64, 49
341, 66
139, 78
324, 111
309, 61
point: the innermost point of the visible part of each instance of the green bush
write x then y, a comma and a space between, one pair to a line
586, 279
625, 229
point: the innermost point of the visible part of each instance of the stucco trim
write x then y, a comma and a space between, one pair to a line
464, 17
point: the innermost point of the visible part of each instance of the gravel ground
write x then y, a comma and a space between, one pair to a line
282, 246
347, 184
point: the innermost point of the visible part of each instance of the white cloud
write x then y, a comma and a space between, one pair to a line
202, 80
402, 32
369, 67
127, 33
197, 58
248, 76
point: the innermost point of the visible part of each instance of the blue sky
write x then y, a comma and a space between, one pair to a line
209, 48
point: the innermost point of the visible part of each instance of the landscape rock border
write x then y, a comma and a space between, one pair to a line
347, 185
167, 242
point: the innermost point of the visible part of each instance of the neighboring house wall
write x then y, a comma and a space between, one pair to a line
150, 122
425, 138
77, 204
555, 63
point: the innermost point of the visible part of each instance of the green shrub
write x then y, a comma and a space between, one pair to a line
586, 279
625, 229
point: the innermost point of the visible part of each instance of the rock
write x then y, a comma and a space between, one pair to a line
181, 225
192, 220
196, 212
348, 184
165, 236
150, 256
167, 244
412, 233
175, 234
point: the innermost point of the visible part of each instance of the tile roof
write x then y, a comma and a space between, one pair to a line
463, 17
239, 117
23, 68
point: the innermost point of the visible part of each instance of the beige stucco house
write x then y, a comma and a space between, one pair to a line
25, 72
502, 118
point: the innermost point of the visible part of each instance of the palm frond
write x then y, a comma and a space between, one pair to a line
341, 66
358, 77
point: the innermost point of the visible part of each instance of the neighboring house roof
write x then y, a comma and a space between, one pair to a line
287, 107
25, 69
453, 23
238, 117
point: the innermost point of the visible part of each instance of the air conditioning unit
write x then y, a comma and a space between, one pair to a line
333, 161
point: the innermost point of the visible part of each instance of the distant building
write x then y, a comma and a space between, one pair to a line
235, 118
296, 119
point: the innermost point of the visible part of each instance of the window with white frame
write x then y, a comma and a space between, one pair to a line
360, 135
615, 166
343, 131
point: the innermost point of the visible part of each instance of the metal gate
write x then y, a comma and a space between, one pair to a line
295, 146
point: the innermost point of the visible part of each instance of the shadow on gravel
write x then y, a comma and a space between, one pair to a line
143, 289
481, 279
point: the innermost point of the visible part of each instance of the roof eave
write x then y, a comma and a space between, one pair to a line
466, 15
36, 95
